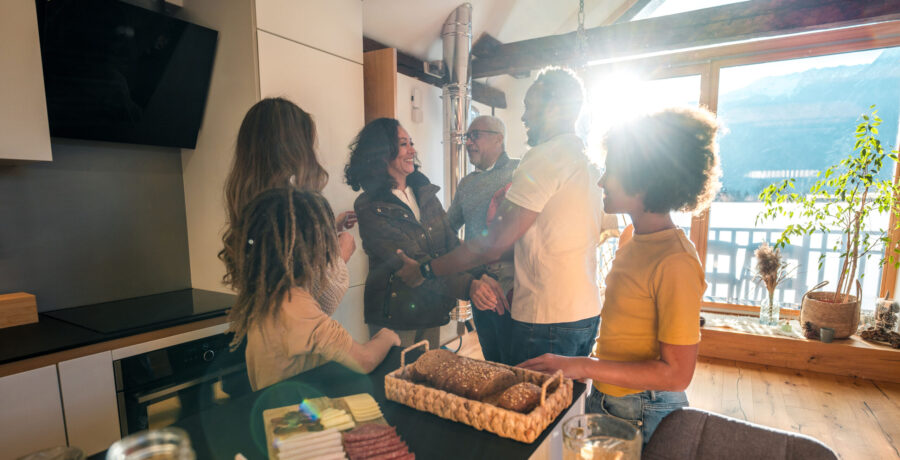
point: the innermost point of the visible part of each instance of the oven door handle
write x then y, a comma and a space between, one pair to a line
162, 394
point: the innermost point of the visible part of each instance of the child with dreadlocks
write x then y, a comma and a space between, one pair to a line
277, 251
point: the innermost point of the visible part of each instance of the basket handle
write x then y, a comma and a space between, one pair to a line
823, 283
410, 348
547, 383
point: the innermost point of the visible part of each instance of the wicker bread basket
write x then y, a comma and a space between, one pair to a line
480, 415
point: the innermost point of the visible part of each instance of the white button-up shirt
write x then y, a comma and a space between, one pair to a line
556, 259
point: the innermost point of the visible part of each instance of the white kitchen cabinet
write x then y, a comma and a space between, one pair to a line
24, 130
31, 417
331, 90
332, 26
88, 391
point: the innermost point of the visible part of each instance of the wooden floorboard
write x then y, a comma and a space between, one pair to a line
858, 418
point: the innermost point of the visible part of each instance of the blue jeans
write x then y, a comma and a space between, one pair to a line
643, 410
493, 334
529, 340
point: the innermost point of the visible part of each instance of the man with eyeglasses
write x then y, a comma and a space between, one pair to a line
486, 146
553, 216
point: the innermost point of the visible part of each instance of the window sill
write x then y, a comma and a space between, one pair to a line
852, 357
750, 310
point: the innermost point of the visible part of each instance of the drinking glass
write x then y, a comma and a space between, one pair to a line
600, 437
168, 443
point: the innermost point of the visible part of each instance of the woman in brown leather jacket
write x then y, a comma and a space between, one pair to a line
399, 209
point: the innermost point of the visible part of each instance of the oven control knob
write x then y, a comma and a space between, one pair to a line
208, 355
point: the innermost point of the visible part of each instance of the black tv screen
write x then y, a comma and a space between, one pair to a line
120, 73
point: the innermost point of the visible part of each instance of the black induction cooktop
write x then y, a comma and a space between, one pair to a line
158, 310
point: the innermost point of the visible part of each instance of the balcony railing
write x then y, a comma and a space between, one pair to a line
730, 267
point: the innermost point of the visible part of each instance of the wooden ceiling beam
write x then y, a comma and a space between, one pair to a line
721, 24
485, 45
412, 66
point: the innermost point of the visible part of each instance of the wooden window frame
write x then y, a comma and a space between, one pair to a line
708, 61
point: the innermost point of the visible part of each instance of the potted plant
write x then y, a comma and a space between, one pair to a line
842, 198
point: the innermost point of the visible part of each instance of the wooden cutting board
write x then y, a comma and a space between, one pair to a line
17, 308
320, 404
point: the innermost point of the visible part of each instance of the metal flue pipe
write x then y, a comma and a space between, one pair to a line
456, 36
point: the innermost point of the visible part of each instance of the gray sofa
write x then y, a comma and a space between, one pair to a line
690, 433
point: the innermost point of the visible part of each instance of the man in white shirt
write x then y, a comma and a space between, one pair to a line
553, 216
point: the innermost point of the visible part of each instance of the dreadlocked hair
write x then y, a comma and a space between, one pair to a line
284, 238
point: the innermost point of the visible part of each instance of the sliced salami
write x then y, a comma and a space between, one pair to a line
371, 442
377, 449
393, 455
368, 432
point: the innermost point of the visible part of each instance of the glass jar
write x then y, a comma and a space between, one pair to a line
168, 443
600, 437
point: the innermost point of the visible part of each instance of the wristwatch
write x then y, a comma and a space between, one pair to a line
425, 270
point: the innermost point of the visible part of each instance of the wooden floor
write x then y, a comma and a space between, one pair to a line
858, 418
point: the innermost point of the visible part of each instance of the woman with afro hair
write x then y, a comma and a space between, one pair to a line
646, 352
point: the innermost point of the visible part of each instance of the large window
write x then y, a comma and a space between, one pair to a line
788, 107
657, 8
620, 96
792, 119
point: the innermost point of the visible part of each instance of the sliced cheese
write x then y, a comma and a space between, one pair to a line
330, 423
345, 426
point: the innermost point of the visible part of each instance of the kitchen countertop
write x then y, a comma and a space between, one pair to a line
76, 327
237, 427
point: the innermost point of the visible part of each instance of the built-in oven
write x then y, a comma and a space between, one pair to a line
159, 387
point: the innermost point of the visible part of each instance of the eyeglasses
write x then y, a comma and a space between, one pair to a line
474, 134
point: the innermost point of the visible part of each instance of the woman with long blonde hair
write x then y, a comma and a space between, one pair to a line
275, 254
276, 148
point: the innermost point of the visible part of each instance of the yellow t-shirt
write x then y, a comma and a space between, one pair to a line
653, 294
301, 338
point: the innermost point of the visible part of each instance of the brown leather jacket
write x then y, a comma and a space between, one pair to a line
387, 224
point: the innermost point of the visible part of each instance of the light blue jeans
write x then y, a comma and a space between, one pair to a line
643, 410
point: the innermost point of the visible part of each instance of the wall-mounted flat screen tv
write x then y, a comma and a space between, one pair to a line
120, 73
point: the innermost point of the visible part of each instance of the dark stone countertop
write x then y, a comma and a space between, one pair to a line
79, 326
236, 426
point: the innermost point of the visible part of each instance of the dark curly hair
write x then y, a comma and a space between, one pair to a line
283, 238
671, 156
561, 86
374, 147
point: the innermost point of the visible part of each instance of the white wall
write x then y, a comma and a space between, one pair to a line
234, 88
310, 52
427, 134
515, 89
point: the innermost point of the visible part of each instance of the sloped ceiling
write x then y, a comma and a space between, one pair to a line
414, 26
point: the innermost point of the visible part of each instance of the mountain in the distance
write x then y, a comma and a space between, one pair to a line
803, 121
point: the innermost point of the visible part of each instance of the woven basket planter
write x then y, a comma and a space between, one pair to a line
818, 309
480, 415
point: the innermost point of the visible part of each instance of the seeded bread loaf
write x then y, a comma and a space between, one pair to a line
477, 379
521, 397
465, 377
427, 366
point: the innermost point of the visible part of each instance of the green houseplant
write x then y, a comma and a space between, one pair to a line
842, 198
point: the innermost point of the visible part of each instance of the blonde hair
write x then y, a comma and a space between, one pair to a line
284, 238
276, 142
